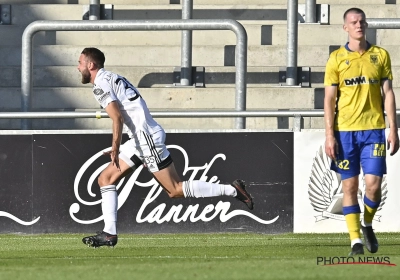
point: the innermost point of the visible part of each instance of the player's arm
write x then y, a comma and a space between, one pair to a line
115, 115
390, 108
329, 118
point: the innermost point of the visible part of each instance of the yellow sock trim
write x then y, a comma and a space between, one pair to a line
369, 213
353, 225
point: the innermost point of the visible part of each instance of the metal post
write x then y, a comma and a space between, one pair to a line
297, 123
292, 25
26, 78
311, 11
186, 48
130, 25
94, 10
241, 75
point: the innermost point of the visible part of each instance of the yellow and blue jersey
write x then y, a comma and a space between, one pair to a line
358, 77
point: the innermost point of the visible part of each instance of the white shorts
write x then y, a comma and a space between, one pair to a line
146, 149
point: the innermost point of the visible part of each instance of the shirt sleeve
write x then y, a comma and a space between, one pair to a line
387, 67
104, 93
331, 71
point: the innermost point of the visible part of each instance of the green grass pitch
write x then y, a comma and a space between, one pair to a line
195, 256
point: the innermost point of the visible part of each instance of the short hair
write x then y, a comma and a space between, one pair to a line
95, 55
353, 10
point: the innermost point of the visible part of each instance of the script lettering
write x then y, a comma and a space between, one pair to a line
159, 214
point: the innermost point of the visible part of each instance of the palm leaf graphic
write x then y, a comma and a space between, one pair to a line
323, 183
384, 191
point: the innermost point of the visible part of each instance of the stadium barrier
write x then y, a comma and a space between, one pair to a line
49, 183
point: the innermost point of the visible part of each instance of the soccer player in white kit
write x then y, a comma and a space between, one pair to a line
126, 108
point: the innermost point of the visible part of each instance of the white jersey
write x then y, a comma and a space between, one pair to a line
109, 87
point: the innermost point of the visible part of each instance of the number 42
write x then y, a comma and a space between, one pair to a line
343, 164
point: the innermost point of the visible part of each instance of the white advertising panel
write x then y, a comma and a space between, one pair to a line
318, 194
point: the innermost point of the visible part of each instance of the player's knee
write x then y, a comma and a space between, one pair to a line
351, 192
104, 180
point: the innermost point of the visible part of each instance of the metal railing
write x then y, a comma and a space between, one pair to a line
132, 25
384, 23
296, 114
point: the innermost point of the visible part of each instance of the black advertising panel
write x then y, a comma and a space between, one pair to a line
66, 196
16, 191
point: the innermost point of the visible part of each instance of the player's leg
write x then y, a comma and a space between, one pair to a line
348, 165
108, 179
372, 200
351, 211
373, 162
164, 172
176, 188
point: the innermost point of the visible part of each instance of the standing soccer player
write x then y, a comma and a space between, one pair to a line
355, 76
126, 107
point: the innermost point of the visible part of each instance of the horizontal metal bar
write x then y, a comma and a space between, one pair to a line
161, 114
168, 114
383, 23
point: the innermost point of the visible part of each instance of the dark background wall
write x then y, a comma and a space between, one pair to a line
47, 185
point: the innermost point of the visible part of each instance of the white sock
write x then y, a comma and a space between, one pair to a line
206, 189
109, 206
364, 224
354, 241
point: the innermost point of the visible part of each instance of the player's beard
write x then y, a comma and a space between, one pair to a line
85, 76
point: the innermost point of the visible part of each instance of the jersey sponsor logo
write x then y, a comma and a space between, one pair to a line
378, 150
325, 189
98, 91
360, 80
355, 81
100, 95
103, 97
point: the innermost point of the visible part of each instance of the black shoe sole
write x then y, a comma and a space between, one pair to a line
91, 241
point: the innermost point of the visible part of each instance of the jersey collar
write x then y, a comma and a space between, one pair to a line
347, 47
102, 70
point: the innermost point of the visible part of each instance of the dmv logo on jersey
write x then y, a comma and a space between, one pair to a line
360, 80
356, 81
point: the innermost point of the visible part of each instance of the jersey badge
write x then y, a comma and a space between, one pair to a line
373, 58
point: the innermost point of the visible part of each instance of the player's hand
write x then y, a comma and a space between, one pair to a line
393, 142
331, 147
114, 157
